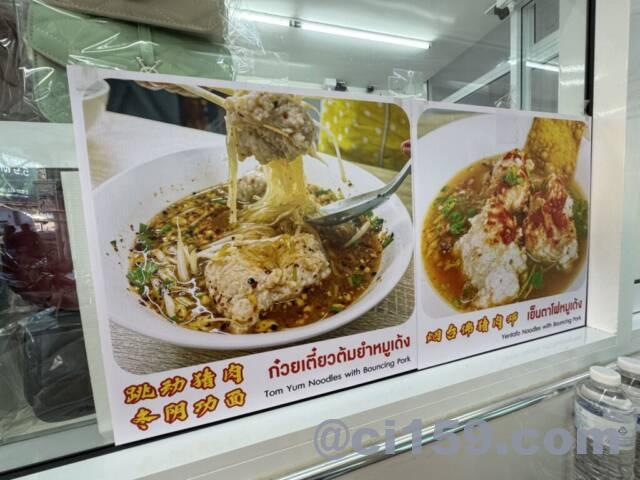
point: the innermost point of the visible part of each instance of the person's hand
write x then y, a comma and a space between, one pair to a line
406, 148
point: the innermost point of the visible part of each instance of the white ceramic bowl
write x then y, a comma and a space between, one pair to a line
445, 155
94, 102
136, 195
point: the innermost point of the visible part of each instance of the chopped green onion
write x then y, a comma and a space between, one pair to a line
376, 223
166, 229
355, 280
140, 276
512, 178
581, 216
448, 204
145, 236
387, 240
537, 279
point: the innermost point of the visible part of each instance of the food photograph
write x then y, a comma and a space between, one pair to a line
230, 221
504, 217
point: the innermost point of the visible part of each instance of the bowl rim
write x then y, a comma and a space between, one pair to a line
197, 339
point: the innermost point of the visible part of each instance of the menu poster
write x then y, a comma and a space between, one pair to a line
216, 292
226, 282
501, 203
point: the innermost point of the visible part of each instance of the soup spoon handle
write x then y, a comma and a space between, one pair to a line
352, 207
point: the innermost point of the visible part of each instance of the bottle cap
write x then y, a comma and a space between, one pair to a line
605, 376
629, 364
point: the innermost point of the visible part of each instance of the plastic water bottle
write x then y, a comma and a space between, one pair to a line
602, 406
629, 369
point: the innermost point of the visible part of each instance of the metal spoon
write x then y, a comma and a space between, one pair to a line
350, 208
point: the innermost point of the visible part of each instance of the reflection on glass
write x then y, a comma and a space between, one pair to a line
541, 53
544, 86
546, 18
494, 94
517, 64
476, 61
44, 377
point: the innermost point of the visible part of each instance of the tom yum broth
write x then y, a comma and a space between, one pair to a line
201, 220
502, 230
239, 257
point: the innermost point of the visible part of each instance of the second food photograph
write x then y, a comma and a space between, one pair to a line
502, 222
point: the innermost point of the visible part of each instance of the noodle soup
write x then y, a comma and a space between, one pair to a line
459, 274
241, 257
202, 219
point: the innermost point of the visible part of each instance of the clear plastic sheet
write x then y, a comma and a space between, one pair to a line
57, 37
507, 101
408, 83
14, 99
207, 18
44, 374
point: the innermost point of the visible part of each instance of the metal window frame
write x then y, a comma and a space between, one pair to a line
541, 52
522, 48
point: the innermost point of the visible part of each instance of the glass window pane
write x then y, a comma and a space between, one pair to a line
479, 59
529, 49
544, 86
546, 18
45, 386
494, 94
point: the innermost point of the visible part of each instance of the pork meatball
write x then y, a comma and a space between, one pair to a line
270, 126
252, 186
549, 230
492, 258
510, 180
247, 279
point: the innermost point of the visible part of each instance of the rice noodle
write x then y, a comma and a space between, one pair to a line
343, 174
183, 269
211, 251
160, 256
199, 219
286, 195
232, 154
310, 107
243, 232
359, 234
192, 259
169, 306
314, 153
